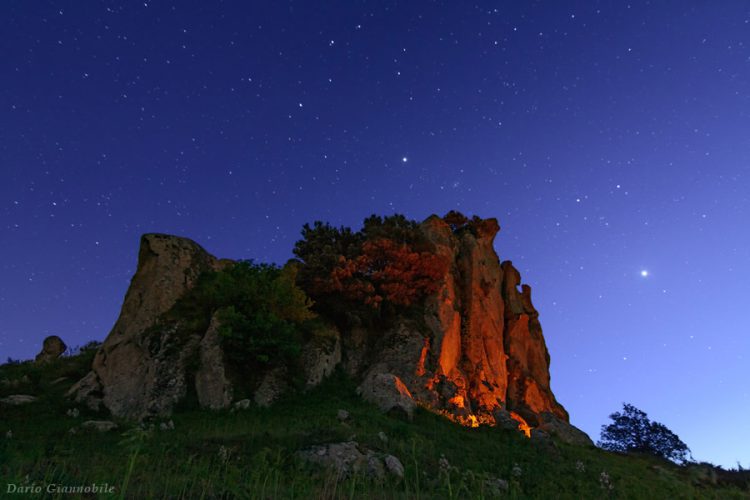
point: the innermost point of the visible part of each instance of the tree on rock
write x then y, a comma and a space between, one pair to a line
632, 431
388, 264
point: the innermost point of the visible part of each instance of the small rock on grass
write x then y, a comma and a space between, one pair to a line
18, 399
99, 425
394, 466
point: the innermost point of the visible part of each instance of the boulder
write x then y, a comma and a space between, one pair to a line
87, 391
52, 348
212, 383
350, 458
320, 355
394, 466
271, 387
18, 399
342, 415
388, 393
563, 430
242, 404
496, 486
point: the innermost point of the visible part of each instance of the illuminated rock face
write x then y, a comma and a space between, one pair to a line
479, 355
465, 320
529, 391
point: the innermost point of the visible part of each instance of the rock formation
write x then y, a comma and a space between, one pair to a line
52, 348
479, 356
137, 371
476, 354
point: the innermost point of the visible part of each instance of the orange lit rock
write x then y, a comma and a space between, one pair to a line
479, 353
465, 317
522, 425
529, 392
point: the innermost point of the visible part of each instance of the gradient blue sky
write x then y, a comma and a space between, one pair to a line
607, 137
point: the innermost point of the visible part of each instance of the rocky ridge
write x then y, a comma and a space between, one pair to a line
477, 355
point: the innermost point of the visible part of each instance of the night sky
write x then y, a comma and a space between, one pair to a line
610, 139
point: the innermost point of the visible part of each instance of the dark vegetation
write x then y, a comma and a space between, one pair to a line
631, 431
251, 454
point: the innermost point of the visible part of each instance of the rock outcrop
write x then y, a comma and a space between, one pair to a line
139, 370
212, 384
52, 348
348, 458
475, 353
478, 356
150, 362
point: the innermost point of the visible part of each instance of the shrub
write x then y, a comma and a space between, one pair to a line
261, 311
632, 431
388, 262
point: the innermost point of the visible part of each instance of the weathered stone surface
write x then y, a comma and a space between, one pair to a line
321, 355
354, 350
140, 367
529, 390
394, 466
242, 404
350, 458
388, 393
271, 387
455, 361
212, 384
18, 399
52, 348
87, 391
479, 355
563, 430
496, 486
99, 425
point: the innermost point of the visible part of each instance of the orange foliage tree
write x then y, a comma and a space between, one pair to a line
388, 271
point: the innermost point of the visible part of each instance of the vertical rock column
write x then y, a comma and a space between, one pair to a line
529, 391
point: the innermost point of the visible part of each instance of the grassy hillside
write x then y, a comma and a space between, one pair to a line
251, 453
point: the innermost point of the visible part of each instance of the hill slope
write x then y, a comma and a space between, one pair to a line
253, 453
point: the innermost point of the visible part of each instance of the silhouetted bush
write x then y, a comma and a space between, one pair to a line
632, 431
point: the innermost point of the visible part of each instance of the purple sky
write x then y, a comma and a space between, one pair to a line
608, 138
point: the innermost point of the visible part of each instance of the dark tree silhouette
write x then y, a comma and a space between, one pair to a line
632, 431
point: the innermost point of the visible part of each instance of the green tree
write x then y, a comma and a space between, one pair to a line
632, 431
261, 310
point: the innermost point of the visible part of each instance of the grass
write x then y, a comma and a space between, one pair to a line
251, 454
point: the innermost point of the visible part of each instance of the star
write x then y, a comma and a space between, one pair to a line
644, 273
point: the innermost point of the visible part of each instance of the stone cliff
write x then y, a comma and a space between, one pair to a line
475, 355
478, 356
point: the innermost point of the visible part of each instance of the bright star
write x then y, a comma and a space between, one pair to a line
644, 273
404, 159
